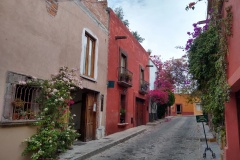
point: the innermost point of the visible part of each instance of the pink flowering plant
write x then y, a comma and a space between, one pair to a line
55, 131
159, 96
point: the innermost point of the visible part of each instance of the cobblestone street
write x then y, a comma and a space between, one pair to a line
177, 139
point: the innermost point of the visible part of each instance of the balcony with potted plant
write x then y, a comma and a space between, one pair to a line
143, 88
124, 77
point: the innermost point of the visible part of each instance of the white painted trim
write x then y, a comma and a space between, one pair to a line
96, 53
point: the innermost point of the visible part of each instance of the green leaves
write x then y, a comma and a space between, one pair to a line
55, 133
207, 65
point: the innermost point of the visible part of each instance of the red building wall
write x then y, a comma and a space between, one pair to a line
232, 114
136, 57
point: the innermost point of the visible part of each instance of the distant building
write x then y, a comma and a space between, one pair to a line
182, 106
152, 105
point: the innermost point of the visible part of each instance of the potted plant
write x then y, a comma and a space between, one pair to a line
18, 103
23, 115
144, 86
123, 76
128, 77
122, 115
15, 116
30, 115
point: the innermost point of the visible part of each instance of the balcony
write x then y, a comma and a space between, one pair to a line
143, 88
124, 77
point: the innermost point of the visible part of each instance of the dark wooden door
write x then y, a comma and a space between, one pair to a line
179, 109
238, 111
139, 112
90, 117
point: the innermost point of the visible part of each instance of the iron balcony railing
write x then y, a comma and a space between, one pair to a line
144, 87
124, 77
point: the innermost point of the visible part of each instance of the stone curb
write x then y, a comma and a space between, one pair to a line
107, 146
208, 139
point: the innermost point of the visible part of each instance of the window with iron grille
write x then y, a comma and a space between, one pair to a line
20, 100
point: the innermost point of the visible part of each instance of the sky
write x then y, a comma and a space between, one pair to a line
162, 23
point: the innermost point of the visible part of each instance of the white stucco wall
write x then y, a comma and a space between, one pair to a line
152, 76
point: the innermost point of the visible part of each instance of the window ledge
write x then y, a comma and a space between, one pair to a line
122, 124
17, 123
88, 78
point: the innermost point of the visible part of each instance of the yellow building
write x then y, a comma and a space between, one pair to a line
182, 106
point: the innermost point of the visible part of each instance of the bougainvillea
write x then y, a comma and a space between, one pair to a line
159, 96
198, 29
206, 52
171, 74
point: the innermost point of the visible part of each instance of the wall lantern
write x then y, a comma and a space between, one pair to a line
120, 37
149, 65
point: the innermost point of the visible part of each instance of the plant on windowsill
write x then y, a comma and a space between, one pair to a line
144, 86
23, 115
122, 115
18, 103
125, 76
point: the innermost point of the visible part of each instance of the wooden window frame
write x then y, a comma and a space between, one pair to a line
141, 78
122, 53
86, 60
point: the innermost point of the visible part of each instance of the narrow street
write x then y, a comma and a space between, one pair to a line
177, 139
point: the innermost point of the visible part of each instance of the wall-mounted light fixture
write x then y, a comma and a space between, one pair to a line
149, 65
120, 37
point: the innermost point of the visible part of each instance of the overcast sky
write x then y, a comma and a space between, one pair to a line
163, 23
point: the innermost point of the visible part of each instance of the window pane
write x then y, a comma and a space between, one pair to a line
142, 75
90, 58
89, 55
123, 63
85, 56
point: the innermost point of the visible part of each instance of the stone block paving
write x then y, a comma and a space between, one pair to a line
173, 138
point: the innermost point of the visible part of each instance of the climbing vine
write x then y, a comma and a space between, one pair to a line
207, 62
55, 132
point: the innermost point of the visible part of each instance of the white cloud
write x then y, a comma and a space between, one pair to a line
163, 23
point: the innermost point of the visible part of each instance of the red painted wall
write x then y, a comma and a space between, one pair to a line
232, 150
137, 56
232, 130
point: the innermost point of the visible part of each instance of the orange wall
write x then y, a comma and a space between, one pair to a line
187, 108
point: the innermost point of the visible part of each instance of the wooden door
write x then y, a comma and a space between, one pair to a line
238, 111
90, 117
139, 112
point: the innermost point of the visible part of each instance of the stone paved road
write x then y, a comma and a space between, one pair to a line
177, 139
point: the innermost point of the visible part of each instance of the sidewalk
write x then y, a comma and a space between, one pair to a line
211, 143
83, 150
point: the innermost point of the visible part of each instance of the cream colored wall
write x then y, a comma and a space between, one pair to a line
34, 43
11, 139
197, 112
